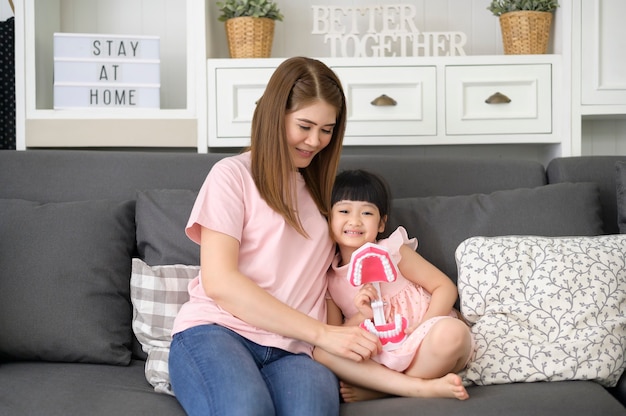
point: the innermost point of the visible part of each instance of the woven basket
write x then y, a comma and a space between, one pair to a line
250, 37
525, 32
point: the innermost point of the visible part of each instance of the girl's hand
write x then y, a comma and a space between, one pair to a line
363, 300
412, 328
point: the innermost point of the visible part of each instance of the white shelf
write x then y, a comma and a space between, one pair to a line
183, 74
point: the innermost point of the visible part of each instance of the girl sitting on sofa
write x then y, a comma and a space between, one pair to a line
436, 345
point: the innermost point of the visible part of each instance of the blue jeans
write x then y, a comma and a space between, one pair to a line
215, 371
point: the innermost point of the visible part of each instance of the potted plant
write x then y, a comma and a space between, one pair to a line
525, 24
249, 26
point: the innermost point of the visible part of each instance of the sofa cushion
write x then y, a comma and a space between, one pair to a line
561, 398
64, 281
620, 184
161, 216
544, 309
596, 169
70, 389
157, 293
442, 223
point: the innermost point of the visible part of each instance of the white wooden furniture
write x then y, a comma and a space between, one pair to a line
439, 100
179, 122
603, 45
598, 68
430, 100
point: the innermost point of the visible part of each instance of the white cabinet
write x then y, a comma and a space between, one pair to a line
389, 101
603, 62
598, 76
409, 101
498, 99
179, 122
234, 92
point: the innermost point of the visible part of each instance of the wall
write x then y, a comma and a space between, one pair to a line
5, 10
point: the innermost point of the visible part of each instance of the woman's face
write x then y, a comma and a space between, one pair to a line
309, 130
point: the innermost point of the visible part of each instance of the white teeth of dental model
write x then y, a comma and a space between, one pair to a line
384, 260
397, 327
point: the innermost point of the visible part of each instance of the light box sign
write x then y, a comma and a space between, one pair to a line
381, 30
110, 71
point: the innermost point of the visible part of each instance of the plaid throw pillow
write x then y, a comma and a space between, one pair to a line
157, 293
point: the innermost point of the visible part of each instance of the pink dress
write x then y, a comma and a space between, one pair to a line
402, 296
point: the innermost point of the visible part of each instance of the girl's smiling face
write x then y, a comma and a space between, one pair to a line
309, 130
354, 223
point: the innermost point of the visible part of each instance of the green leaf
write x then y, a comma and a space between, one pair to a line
498, 7
254, 8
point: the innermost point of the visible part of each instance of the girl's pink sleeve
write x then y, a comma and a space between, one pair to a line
396, 240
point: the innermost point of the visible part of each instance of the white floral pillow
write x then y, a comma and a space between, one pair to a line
157, 294
544, 309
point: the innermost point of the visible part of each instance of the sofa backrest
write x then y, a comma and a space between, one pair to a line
597, 169
60, 175
75, 175
415, 176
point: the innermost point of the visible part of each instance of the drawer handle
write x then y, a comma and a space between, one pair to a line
383, 101
498, 98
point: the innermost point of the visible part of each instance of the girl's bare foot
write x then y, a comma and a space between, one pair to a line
449, 386
350, 393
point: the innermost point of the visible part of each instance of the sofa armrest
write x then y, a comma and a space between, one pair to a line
619, 391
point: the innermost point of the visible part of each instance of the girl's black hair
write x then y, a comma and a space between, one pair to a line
361, 185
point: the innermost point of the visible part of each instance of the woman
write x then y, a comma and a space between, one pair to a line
243, 342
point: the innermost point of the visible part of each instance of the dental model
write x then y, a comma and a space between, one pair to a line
373, 264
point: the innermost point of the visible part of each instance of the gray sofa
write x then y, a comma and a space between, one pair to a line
70, 222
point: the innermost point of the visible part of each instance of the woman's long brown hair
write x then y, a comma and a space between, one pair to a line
296, 83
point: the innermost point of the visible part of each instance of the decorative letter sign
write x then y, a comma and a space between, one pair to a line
106, 71
384, 30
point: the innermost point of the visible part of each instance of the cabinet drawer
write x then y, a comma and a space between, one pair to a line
521, 103
410, 112
237, 91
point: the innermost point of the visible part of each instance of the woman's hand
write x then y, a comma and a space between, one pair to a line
350, 342
243, 298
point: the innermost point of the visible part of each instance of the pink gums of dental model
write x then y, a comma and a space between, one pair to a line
373, 264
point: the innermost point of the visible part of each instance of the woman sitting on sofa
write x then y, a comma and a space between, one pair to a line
243, 342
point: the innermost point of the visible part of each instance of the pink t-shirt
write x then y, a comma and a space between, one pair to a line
273, 254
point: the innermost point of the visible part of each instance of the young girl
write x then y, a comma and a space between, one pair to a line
437, 344
242, 344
